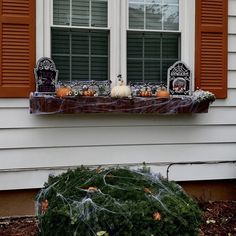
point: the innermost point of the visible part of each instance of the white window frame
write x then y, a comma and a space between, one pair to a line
118, 25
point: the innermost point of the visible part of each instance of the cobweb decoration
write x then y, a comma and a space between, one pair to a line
112, 202
180, 70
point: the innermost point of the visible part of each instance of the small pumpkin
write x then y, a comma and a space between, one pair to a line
63, 91
145, 93
162, 92
89, 93
121, 90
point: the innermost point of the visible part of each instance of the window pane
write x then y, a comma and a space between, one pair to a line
80, 43
170, 46
153, 17
171, 17
134, 70
154, 1
99, 43
80, 68
60, 41
99, 14
99, 68
165, 66
154, 14
150, 55
61, 12
152, 71
170, 1
81, 54
137, 1
136, 16
152, 43
135, 45
80, 12
63, 65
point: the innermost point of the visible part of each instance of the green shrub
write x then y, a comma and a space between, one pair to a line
115, 202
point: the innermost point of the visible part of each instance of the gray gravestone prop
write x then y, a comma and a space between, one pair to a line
46, 76
179, 79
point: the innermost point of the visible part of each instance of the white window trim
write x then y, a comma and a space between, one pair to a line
118, 18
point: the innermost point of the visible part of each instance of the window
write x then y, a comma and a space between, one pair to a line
100, 39
153, 39
80, 39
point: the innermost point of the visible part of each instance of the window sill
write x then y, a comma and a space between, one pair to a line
76, 105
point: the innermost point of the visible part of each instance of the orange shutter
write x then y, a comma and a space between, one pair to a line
17, 53
211, 46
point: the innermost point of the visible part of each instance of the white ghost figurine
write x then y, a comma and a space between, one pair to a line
121, 90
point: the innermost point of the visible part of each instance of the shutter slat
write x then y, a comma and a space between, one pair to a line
211, 46
16, 7
17, 40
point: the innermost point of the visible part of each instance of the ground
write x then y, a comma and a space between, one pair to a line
219, 219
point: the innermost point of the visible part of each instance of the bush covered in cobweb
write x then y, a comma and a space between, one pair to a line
114, 201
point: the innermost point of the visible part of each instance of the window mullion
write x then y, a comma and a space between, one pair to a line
90, 13
70, 12
144, 14
70, 35
143, 58
89, 56
161, 48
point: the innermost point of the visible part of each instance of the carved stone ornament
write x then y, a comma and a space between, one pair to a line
179, 79
46, 76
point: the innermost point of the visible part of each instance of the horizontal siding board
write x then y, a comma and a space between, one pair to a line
208, 172
106, 136
14, 103
232, 79
20, 119
229, 102
232, 7
36, 179
76, 156
42, 158
232, 61
231, 25
231, 43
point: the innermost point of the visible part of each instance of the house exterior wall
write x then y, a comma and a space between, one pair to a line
32, 147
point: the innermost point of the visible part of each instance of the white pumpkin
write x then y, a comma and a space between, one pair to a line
121, 90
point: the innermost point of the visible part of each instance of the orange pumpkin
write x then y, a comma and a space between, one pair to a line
88, 92
162, 93
146, 93
63, 91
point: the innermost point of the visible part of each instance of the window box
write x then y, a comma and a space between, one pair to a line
77, 105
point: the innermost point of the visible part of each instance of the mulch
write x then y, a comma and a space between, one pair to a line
219, 219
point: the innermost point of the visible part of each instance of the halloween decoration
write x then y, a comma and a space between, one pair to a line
131, 202
121, 90
46, 76
162, 92
63, 91
179, 79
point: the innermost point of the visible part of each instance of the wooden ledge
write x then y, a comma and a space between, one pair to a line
76, 105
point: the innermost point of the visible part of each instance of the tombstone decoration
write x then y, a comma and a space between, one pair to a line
179, 79
46, 76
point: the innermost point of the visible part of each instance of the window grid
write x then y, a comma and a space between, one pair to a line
143, 59
145, 3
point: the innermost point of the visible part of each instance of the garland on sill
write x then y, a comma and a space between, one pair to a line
200, 95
